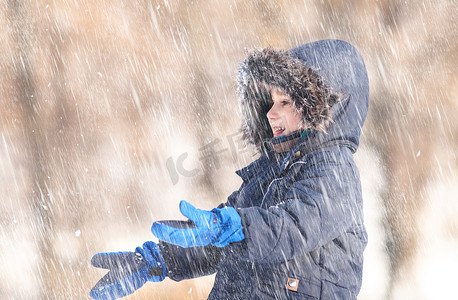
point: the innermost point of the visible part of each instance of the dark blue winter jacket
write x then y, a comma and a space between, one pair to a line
302, 210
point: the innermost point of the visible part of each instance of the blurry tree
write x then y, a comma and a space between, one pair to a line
410, 118
36, 137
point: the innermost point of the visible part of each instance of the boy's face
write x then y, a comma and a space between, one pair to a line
283, 117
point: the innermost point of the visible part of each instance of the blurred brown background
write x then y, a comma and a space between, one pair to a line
111, 112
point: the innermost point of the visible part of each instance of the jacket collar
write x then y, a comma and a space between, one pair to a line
284, 143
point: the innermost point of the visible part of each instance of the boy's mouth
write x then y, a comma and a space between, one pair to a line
278, 131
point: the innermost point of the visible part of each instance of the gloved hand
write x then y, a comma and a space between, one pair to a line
219, 227
128, 271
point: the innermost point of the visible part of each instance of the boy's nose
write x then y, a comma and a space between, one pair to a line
272, 113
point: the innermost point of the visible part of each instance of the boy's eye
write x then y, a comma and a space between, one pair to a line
285, 102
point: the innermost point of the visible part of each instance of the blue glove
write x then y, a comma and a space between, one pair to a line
218, 227
129, 271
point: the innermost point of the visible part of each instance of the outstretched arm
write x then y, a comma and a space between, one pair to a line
186, 263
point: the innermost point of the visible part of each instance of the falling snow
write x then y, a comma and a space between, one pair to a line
97, 96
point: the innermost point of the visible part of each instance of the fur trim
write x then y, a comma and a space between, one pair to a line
267, 68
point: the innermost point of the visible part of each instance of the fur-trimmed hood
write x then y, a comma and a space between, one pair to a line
322, 78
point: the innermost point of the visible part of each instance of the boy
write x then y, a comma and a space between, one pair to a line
294, 229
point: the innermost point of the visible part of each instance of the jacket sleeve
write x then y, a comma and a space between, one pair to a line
323, 203
187, 263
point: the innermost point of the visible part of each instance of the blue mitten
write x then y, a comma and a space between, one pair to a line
218, 227
128, 271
